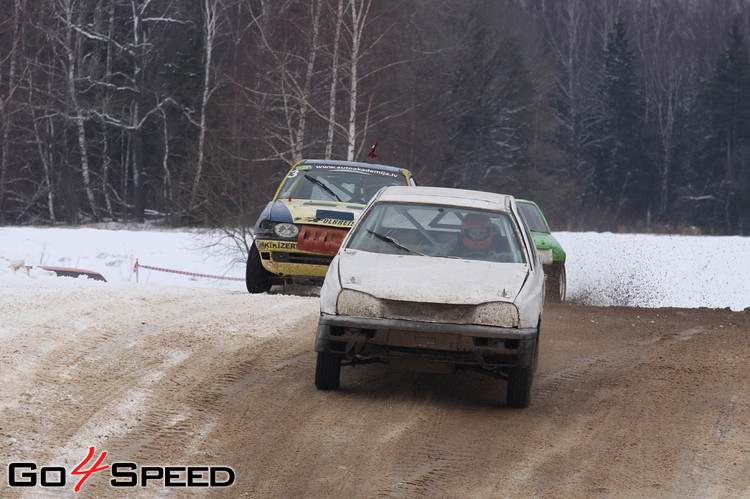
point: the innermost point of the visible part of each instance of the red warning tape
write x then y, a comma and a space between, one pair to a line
137, 265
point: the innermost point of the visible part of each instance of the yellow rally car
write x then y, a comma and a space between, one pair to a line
299, 232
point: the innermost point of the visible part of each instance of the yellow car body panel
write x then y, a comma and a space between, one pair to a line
317, 211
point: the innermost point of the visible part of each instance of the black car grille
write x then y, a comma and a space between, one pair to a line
429, 312
284, 257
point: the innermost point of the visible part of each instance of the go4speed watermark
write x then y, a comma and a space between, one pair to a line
121, 474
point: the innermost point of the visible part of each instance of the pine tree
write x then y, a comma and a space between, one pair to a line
488, 105
623, 178
725, 103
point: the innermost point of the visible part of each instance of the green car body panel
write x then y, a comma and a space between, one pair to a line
545, 241
543, 238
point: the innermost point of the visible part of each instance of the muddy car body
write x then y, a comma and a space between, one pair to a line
412, 288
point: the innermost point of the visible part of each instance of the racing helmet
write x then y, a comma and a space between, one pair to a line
476, 230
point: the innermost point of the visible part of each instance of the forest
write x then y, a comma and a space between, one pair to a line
628, 115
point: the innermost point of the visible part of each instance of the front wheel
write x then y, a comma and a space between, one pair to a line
257, 278
328, 371
556, 283
519, 387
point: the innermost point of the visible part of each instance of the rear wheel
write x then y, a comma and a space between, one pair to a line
328, 371
257, 278
519, 387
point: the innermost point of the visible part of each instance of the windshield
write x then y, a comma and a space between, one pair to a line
533, 218
439, 231
341, 184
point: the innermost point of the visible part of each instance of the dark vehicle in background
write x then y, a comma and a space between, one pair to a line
549, 249
302, 227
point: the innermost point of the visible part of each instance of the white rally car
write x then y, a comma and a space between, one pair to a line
435, 279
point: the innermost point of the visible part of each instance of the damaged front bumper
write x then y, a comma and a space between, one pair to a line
454, 345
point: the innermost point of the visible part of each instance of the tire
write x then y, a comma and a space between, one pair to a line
556, 283
257, 278
519, 387
328, 371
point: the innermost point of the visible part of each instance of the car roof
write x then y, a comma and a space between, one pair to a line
528, 201
334, 162
447, 196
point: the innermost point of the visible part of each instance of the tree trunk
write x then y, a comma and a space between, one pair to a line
334, 79
305, 99
359, 15
72, 48
209, 36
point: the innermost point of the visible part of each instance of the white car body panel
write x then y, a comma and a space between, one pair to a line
454, 310
415, 278
422, 279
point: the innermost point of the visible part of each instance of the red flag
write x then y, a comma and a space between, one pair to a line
372, 154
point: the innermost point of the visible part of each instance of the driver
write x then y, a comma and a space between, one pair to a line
476, 233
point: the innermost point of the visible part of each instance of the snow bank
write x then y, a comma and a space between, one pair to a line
113, 253
604, 269
645, 270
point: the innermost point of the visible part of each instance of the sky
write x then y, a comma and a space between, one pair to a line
604, 269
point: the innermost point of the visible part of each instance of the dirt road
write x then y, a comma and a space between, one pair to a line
627, 402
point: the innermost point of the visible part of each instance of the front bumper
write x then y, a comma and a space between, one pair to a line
457, 344
283, 259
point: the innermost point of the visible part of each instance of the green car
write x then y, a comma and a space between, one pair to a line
550, 251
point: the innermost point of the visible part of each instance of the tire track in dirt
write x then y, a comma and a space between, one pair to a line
626, 403
447, 447
196, 402
451, 445
147, 389
619, 357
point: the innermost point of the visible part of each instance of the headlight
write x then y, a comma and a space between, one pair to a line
357, 304
545, 255
287, 231
496, 314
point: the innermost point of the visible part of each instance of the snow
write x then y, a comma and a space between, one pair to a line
113, 253
603, 269
645, 270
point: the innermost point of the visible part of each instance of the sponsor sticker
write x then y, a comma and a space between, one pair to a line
326, 221
276, 245
342, 168
336, 222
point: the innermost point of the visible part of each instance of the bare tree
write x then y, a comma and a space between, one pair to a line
658, 35
11, 57
568, 26
72, 48
339, 17
210, 32
359, 10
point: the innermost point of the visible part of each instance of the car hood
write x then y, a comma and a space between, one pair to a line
322, 212
430, 279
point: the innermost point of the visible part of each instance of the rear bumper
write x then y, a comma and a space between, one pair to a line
457, 344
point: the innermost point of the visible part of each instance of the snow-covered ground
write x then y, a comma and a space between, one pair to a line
113, 253
645, 270
604, 269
